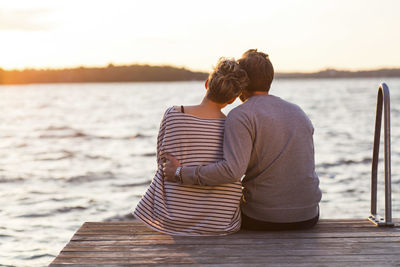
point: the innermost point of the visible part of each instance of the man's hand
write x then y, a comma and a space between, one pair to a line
169, 168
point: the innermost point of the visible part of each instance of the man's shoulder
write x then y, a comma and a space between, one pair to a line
265, 105
250, 108
287, 105
239, 111
238, 115
281, 101
293, 112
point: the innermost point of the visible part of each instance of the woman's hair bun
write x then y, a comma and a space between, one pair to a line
226, 81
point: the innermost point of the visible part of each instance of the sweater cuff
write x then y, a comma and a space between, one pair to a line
188, 175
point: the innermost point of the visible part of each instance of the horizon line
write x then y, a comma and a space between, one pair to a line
194, 70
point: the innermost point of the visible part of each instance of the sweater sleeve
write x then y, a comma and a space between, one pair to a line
160, 137
238, 140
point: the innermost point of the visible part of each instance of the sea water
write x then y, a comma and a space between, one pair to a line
71, 153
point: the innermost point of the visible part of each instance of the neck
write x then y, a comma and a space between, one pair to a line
207, 103
259, 93
248, 94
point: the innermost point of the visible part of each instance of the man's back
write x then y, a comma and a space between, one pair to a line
270, 141
280, 184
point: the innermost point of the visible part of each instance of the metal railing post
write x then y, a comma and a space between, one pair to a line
383, 101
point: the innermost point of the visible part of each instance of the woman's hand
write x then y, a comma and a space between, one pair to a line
169, 168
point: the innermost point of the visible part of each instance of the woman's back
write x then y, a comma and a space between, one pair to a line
190, 210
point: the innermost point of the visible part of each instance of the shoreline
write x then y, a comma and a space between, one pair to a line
188, 81
146, 73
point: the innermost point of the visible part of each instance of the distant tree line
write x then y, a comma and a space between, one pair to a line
111, 73
147, 73
332, 73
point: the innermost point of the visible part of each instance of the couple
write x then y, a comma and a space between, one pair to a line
264, 145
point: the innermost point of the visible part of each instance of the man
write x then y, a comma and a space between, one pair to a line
270, 141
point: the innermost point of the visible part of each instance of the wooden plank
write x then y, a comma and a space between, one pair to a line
247, 235
317, 229
346, 260
331, 242
395, 246
280, 235
280, 264
321, 242
228, 251
135, 225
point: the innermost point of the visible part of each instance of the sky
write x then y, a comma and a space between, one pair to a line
298, 35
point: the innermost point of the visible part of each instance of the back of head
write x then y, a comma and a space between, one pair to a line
226, 81
259, 70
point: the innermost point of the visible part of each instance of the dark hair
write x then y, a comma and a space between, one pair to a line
226, 81
259, 70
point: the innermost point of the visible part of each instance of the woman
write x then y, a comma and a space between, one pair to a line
194, 135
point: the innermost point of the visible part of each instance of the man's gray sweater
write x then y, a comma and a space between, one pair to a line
270, 141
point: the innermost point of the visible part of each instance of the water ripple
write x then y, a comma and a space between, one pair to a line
344, 162
90, 177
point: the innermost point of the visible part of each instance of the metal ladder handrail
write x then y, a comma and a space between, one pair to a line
383, 101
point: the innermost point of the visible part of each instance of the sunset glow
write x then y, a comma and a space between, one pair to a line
299, 35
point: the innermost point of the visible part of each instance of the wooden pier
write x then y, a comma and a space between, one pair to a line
330, 243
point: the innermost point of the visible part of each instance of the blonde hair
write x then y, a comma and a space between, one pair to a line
226, 81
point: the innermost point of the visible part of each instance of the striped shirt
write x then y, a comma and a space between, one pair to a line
178, 209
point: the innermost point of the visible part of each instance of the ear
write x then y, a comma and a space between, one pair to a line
231, 101
206, 84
